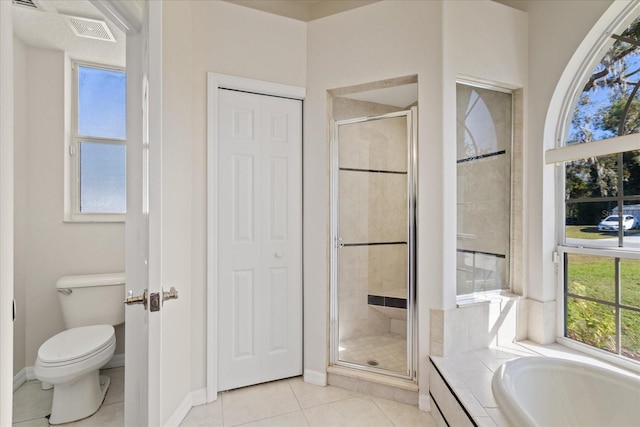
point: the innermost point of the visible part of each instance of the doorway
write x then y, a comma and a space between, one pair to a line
373, 217
256, 272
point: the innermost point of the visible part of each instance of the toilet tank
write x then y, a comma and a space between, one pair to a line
91, 299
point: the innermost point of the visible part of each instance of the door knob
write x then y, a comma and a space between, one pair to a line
278, 254
171, 294
140, 299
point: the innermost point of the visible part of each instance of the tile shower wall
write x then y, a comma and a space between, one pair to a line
372, 210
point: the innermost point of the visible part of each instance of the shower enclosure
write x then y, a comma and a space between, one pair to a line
373, 231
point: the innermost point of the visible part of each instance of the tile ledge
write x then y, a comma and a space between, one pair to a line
374, 378
481, 299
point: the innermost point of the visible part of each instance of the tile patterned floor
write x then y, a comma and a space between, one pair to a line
389, 351
285, 403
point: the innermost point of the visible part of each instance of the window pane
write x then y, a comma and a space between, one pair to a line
483, 222
608, 104
586, 225
630, 340
101, 103
592, 177
630, 282
591, 323
591, 276
102, 178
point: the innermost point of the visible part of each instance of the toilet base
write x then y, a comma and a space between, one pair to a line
80, 399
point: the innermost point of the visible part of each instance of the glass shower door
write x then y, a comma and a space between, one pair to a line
373, 231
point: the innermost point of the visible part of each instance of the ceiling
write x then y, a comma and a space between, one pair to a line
303, 10
47, 27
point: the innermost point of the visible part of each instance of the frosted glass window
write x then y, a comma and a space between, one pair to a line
102, 177
484, 140
98, 176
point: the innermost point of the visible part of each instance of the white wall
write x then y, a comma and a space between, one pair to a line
556, 29
6, 210
50, 248
487, 42
380, 41
376, 42
20, 200
227, 39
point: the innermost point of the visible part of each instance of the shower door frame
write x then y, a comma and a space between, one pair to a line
412, 188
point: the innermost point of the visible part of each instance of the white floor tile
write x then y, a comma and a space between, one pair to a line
258, 402
31, 402
204, 415
356, 412
310, 395
402, 415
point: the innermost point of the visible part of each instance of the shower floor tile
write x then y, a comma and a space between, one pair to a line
388, 351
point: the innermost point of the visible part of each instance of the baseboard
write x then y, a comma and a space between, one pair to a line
199, 397
26, 374
19, 379
424, 402
194, 398
30, 374
315, 377
117, 361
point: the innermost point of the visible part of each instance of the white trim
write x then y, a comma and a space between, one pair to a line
126, 15
6, 211
72, 165
214, 82
625, 363
195, 398
315, 377
19, 379
424, 402
603, 147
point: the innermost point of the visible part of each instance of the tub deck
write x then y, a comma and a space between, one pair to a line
460, 385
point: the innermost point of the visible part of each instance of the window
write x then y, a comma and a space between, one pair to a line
601, 201
97, 148
484, 153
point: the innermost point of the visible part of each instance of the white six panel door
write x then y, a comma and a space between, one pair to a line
260, 239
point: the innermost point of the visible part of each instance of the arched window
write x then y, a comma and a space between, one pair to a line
601, 201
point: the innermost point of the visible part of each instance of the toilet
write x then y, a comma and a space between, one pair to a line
71, 360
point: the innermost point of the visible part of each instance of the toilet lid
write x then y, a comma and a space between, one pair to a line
76, 343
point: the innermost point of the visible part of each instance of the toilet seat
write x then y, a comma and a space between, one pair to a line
75, 345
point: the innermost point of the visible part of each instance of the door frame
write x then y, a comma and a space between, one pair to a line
215, 82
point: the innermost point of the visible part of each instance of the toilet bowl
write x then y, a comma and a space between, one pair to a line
71, 360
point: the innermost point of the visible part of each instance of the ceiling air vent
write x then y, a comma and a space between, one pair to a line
90, 28
26, 3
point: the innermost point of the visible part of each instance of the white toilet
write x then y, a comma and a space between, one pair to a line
71, 360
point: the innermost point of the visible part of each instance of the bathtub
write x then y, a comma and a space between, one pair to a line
545, 391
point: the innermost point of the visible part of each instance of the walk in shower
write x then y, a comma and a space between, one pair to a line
373, 231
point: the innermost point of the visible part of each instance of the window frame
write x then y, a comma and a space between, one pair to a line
559, 156
475, 296
72, 151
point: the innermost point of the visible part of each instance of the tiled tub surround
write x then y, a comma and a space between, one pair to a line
460, 384
487, 321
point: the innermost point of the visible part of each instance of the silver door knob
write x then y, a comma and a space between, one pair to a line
278, 254
171, 294
140, 299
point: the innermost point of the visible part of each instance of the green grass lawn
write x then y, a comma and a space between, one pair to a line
591, 232
594, 276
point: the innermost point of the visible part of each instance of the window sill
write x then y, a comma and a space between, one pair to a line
485, 298
92, 219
